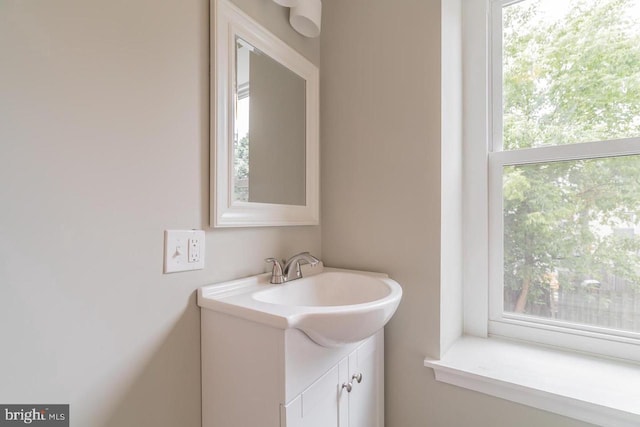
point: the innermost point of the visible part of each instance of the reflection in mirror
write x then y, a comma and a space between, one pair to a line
269, 142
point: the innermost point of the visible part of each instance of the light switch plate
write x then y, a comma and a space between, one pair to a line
183, 250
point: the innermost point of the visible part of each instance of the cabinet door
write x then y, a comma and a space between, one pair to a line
366, 399
317, 406
327, 404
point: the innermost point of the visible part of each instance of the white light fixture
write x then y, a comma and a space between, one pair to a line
306, 17
286, 3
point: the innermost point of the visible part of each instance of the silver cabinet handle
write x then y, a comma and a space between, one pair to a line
348, 386
357, 377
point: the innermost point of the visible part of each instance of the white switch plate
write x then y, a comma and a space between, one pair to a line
183, 250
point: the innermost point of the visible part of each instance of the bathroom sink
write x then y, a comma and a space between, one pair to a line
327, 289
333, 308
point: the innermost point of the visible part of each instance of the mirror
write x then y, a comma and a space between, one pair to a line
269, 130
265, 114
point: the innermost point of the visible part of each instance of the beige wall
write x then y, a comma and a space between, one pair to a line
103, 145
381, 129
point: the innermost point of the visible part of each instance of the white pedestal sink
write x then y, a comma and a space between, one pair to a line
333, 308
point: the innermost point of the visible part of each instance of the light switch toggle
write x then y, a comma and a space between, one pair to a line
183, 250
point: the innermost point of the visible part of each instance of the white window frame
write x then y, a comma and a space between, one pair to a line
482, 207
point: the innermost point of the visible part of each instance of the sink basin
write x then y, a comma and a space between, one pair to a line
333, 308
327, 289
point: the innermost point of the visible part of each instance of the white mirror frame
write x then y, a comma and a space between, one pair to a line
226, 212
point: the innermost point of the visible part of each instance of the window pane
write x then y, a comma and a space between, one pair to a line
572, 241
571, 71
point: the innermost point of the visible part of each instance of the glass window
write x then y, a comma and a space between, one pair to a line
564, 166
570, 71
572, 241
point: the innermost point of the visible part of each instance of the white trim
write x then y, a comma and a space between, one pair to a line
496, 247
495, 67
575, 328
579, 338
545, 378
557, 153
476, 113
451, 248
225, 212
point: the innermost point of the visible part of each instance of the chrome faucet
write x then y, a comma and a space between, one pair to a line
276, 272
291, 269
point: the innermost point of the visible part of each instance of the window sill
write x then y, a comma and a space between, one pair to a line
599, 391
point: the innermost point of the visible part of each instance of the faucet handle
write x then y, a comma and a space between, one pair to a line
276, 271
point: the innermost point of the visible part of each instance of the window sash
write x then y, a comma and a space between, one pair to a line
497, 161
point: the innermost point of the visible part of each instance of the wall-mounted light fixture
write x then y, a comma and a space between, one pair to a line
286, 3
305, 16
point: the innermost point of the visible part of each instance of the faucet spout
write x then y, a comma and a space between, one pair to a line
292, 271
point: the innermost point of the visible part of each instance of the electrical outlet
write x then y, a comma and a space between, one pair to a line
183, 250
194, 250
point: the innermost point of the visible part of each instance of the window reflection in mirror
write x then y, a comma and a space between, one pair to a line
269, 153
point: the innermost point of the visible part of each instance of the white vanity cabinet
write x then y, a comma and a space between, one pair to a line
350, 394
255, 375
